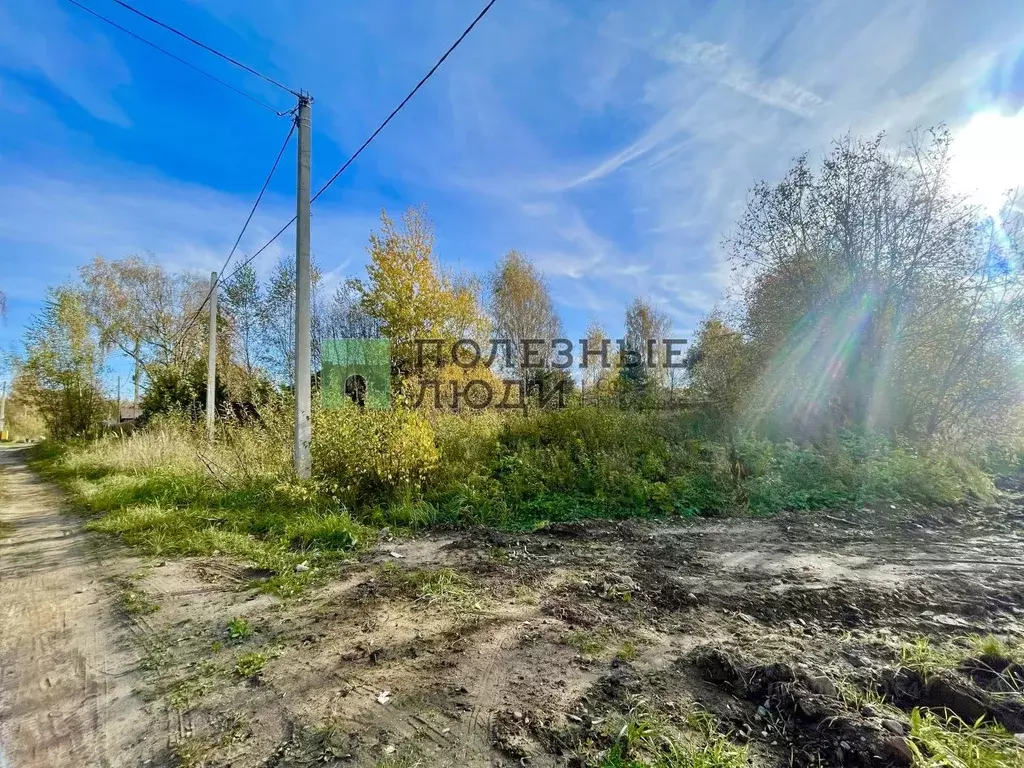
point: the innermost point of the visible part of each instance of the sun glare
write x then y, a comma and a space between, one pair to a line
988, 158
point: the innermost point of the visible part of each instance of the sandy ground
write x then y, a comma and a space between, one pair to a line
67, 669
485, 648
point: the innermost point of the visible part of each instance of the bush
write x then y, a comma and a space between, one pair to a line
370, 457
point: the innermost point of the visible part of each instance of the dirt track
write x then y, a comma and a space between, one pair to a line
485, 648
67, 671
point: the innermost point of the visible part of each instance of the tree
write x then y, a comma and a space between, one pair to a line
345, 317
521, 307
873, 296
242, 302
277, 321
717, 365
643, 366
408, 294
63, 363
182, 389
149, 315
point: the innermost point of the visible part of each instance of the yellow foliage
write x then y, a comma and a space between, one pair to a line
373, 456
410, 296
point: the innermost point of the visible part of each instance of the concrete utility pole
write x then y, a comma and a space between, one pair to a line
303, 404
3, 411
211, 365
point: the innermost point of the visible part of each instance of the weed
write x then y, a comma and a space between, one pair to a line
133, 602
646, 739
239, 629
191, 751
433, 586
926, 658
249, 664
627, 652
186, 693
6, 529
946, 740
589, 645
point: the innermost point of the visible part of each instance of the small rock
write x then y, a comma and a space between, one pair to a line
389, 749
845, 745
894, 726
517, 715
822, 685
1019, 737
302, 567
762, 712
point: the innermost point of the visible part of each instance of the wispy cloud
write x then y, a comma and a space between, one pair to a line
84, 67
724, 66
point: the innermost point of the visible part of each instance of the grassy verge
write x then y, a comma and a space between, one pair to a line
166, 490
166, 493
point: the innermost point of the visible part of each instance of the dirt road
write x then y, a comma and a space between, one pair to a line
67, 672
483, 648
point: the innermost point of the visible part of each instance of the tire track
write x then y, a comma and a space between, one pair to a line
66, 670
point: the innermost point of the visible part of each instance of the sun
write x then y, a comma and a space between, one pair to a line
988, 158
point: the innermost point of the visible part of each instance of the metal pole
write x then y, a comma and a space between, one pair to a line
211, 365
303, 405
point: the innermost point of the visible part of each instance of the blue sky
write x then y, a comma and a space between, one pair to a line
611, 141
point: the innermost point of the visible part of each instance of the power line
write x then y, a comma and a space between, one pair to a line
252, 212
205, 47
374, 135
180, 60
405, 101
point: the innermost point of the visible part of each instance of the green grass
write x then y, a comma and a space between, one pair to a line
251, 663
589, 644
946, 741
169, 492
133, 602
929, 658
646, 739
151, 491
433, 586
627, 652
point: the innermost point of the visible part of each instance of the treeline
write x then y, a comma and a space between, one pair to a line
870, 297
156, 320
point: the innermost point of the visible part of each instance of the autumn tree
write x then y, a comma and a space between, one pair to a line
410, 296
149, 315
717, 364
242, 301
521, 308
646, 328
874, 296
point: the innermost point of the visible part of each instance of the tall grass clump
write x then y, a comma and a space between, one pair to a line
851, 469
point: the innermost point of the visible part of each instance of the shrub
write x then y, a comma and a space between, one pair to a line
367, 457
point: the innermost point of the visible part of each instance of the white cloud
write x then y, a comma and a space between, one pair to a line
63, 221
83, 66
719, 62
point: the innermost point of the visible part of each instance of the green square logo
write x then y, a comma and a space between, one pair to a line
356, 372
